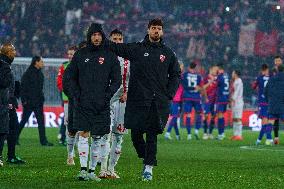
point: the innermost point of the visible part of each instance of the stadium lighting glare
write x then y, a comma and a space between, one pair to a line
278, 7
227, 9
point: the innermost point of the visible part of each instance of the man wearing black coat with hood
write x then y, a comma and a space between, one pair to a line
154, 79
274, 92
7, 54
91, 79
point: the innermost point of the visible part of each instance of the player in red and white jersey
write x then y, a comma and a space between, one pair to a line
117, 106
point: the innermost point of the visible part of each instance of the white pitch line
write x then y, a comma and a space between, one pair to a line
260, 149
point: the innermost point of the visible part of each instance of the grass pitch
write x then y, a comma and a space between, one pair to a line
181, 164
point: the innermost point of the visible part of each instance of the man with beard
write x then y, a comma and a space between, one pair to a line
154, 79
91, 79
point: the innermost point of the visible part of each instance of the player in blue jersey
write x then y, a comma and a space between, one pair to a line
222, 100
259, 84
192, 85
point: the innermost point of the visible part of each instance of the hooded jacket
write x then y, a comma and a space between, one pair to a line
154, 75
274, 92
91, 79
6, 78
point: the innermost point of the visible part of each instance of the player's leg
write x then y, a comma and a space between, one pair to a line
83, 149
27, 111
72, 134
276, 131
94, 157
263, 114
173, 119
116, 147
269, 128
205, 121
198, 118
212, 120
104, 153
187, 112
221, 109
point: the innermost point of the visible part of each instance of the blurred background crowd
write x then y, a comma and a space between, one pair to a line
239, 33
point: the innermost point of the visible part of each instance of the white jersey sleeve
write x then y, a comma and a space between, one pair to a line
238, 91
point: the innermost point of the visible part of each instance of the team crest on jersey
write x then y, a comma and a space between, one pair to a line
101, 60
162, 58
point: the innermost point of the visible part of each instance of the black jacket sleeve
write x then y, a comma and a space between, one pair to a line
5, 76
71, 80
115, 77
124, 50
25, 80
173, 78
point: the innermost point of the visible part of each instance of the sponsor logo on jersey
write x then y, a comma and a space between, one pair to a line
146, 54
101, 60
162, 58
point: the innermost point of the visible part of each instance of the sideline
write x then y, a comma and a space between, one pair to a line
263, 148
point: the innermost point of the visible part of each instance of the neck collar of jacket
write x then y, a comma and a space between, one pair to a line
6, 59
93, 47
153, 44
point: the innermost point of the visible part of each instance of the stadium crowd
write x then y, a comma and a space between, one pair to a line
204, 31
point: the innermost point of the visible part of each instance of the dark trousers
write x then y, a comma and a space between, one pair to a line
38, 110
13, 130
147, 149
276, 128
62, 131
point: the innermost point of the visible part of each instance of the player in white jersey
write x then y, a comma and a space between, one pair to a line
237, 104
118, 104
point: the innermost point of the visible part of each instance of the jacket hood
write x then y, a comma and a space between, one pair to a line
94, 28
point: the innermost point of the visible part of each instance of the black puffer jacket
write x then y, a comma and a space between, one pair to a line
274, 92
155, 74
32, 83
5, 83
91, 79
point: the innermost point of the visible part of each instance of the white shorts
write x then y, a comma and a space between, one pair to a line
65, 106
117, 118
237, 110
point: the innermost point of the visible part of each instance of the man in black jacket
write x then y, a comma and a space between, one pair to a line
7, 54
274, 92
91, 79
33, 98
155, 75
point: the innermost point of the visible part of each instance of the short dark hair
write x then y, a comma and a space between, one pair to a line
277, 56
82, 44
238, 72
220, 65
281, 68
155, 22
115, 31
192, 65
264, 67
35, 59
74, 47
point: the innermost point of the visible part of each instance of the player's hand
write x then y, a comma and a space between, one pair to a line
123, 98
206, 100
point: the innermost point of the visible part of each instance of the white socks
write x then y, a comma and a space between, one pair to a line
149, 168
104, 151
95, 152
237, 128
70, 145
83, 149
115, 152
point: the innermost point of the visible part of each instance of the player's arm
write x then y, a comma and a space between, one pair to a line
60, 77
173, 77
124, 50
70, 79
5, 76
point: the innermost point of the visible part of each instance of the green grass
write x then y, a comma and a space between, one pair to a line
181, 164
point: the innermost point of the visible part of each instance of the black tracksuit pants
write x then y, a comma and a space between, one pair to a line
38, 110
147, 150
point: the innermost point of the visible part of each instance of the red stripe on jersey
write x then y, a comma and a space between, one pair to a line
125, 69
